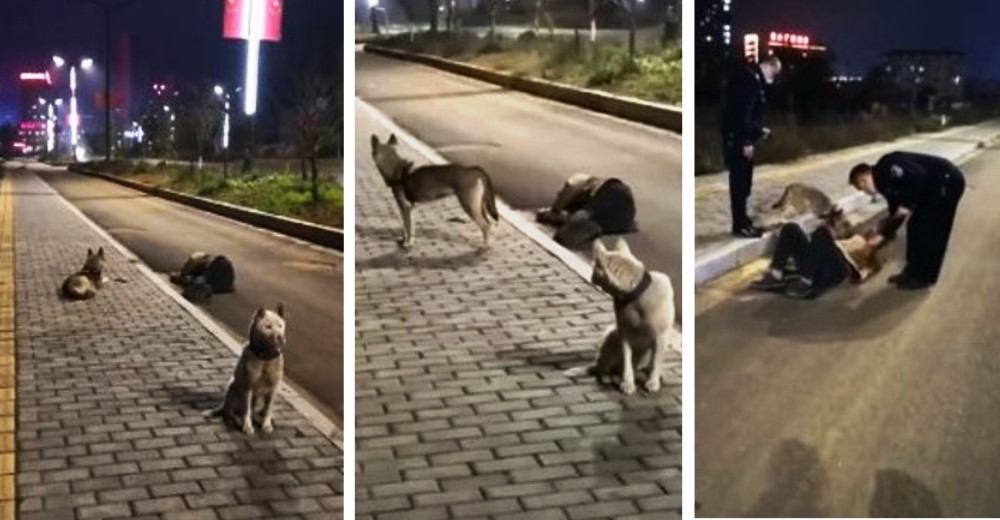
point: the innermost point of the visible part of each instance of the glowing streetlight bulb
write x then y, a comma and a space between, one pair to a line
86, 64
58, 61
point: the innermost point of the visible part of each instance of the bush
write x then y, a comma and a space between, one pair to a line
611, 64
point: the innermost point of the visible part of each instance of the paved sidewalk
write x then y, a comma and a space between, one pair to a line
826, 171
110, 394
462, 408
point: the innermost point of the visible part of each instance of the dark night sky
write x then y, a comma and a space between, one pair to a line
860, 31
179, 40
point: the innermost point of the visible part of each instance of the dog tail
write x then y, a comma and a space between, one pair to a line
784, 197
215, 412
489, 199
588, 370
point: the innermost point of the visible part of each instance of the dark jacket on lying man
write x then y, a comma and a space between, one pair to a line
588, 207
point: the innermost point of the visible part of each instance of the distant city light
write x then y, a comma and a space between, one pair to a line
58, 61
86, 63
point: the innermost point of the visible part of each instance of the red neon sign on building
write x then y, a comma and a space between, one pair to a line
783, 39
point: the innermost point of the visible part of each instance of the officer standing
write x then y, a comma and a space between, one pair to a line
742, 127
923, 192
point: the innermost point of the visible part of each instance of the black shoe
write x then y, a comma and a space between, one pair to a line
800, 290
748, 232
769, 283
913, 284
898, 278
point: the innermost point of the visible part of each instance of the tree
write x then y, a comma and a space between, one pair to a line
629, 7
542, 13
316, 116
200, 118
432, 5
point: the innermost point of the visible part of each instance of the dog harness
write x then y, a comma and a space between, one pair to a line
622, 300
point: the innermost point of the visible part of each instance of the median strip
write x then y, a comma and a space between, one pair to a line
654, 114
313, 233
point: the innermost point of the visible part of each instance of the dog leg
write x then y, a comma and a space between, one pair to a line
266, 424
656, 371
247, 412
628, 371
405, 208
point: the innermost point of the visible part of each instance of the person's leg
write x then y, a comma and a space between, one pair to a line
822, 267
793, 244
939, 238
740, 172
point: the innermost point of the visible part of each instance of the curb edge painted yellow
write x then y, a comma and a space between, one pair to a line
8, 379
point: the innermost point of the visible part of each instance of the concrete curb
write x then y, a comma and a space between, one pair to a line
307, 231
654, 114
737, 254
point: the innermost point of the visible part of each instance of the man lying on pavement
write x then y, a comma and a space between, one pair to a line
805, 266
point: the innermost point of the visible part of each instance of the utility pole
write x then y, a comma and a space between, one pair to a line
107, 7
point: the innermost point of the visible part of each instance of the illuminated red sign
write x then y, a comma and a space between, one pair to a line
236, 19
36, 76
781, 39
32, 125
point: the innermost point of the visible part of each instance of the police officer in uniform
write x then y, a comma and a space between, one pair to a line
742, 127
923, 192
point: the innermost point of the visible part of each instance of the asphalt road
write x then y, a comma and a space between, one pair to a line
530, 146
269, 269
869, 401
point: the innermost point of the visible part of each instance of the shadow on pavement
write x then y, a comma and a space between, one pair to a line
898, 495
797, 482
836, 318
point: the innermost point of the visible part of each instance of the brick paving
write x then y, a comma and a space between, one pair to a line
826, 171
462, 409
110, 395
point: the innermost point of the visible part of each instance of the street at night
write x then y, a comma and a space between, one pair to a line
171, 260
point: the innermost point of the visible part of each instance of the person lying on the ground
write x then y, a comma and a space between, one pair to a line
805, 266
587, 207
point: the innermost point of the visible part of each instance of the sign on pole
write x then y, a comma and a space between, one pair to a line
253, 21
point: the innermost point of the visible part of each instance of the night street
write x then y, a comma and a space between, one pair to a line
868, 401
268, 267
531, 146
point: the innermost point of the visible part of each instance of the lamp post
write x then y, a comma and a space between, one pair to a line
74, 113
108, 7
224, 95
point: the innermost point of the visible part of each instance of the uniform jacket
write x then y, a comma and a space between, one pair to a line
743, 110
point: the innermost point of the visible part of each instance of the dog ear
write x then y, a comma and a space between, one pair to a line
375, 141
621, 246
90, 252
281, 310
392, 140
599, 249
259, 315
100, 252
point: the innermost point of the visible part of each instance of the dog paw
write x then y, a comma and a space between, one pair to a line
627, 387
248, 428
267, 427
653, 385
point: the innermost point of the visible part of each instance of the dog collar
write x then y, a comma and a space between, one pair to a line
629, 297
264, 354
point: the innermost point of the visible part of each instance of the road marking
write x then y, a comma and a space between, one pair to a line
8, 367
301, 404
512, 216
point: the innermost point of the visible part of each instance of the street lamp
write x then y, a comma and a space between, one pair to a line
220, 91
74, 114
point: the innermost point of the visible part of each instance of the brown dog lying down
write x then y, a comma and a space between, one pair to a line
588, 207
